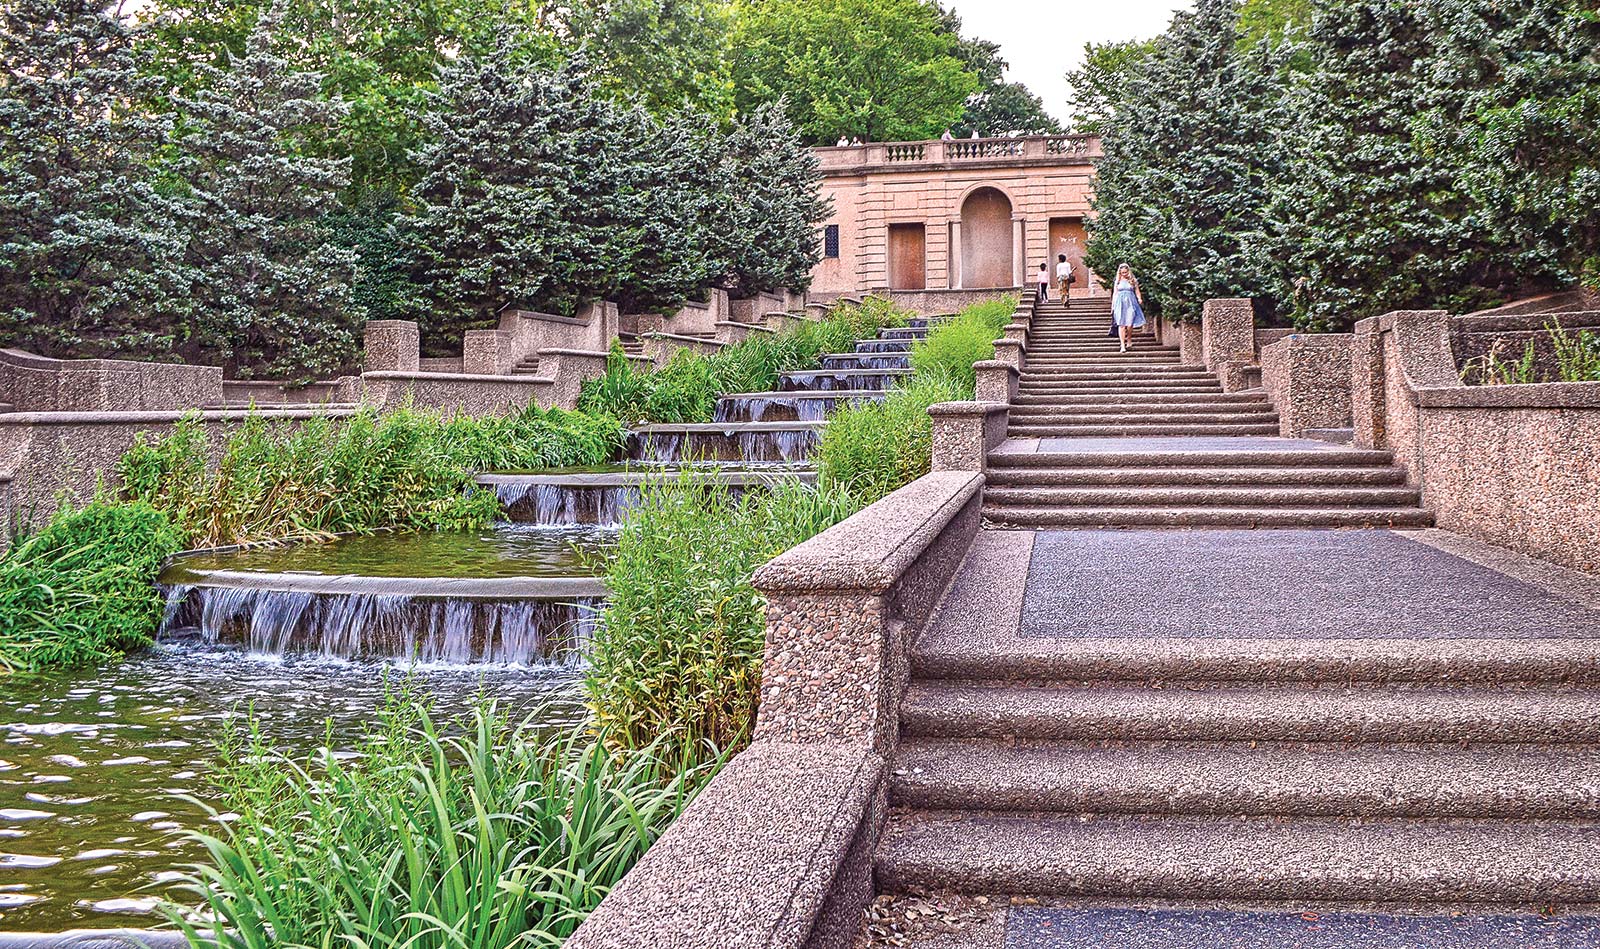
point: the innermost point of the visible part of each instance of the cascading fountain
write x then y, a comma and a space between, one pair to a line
505, 595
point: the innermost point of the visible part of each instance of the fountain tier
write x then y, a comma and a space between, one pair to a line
508, 595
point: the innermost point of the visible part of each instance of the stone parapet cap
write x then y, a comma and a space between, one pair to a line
21, 419
870, 550
389, 376
1535, 395
559, 351
751, 864
1318, 340
679, 338
547, 317
969, 409
937, 154
991, 364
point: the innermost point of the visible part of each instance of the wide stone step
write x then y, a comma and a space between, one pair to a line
1237, 778
1209, 661
1206, 711
1000, 515
1123, 430
1129, 400
1241, 859
1038, 394
1101, 372
1157, 457
1133, 411
1000, 477
1155, 496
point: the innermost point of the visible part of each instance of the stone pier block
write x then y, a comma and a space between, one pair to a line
965, 432
391, 346
997, 381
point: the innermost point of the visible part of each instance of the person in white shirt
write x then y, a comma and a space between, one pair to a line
843, 142
1063, 275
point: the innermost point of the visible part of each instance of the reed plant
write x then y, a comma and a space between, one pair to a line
872, 448
679, 650
80, 589
686, 389
480, 834
1577, 354
404, 469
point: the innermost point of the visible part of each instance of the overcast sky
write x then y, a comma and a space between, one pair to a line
1042, 39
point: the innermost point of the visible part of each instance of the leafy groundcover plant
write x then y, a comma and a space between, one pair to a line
686, 389
81, 589
479, 834
872, 448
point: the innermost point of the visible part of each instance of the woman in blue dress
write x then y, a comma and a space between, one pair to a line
1127, 305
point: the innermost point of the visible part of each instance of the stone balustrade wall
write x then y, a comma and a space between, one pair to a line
32, 383
807, 801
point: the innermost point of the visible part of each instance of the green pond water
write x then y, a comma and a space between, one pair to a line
93, 762
499, 552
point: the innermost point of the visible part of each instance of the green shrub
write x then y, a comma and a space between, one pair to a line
952, 347
403, 469
686, 389
1577, 355
81, 590
679, 651
498, 836
871, 448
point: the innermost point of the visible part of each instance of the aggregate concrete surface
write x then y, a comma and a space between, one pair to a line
1056, 928
1329, 584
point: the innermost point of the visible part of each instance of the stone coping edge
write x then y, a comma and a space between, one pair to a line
724, 428
168, 417
422, 588
870, 550
96, 939
390, 375
1534, 395
968, 409
755, 861
548, 317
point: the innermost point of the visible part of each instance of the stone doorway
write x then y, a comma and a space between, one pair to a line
908, 256
1067, 236
986, 240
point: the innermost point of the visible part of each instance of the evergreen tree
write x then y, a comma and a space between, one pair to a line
1189, 158
1369, 219
771, 206
1528, 134
1099, 84
518, 202
274, 291
90, 249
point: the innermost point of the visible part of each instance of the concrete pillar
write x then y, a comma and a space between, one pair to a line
1019, 252
955, 256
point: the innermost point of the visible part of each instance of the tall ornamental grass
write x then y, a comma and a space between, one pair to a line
679, 651
686, 389
80, 590
404, 469
872, 448
481, 836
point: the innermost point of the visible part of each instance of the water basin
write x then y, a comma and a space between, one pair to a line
101, 754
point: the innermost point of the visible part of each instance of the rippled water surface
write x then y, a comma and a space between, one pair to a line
504, 550
90, 762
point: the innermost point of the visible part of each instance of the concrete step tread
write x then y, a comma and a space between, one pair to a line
1128, 429
1023, 517
997, 655
1136, 415
1235, 711
1240, 858
1136, 495
1232, 778
1264, 477
1178, 457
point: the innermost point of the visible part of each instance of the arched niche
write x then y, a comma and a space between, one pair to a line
986, 239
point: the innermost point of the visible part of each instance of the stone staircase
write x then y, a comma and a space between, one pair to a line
1100, 438
1077, 383
1323, 753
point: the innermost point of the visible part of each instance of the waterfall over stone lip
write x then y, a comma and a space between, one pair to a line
518, 596
603, 498
730, 441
